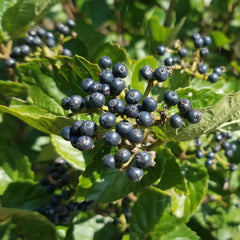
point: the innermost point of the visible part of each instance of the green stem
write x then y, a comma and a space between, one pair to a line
147, 90
158, 143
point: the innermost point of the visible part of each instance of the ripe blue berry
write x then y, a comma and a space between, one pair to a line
202, 69
107, 120
65, 133
182, 53
88, 128
85, 84
210, 155
229, 135
218, 137
168, 61
198, 143
67, 52
147, 72
233, 167
10, 62
111, 138
233, 147
161, 50
225, 145
29, 40
216, 148
184, 105
195, 36
131, 111
16, 52
116, 106
176, 121
133, 96
76, 103
171, 98
149, 104
87, 101
63, 29
95, 87
71, 23
199, 154
194, 116
228, 153
105, 62
65, 103
105, 90
109, 161
37, 42
144, 119
106, 76
198, 42
218, 71
143, 159
41, 32
117, 86
25, 50
135, 135
213, 77
97, 100
84, 143
49, 35
123, 128
123, 156
204, 52
50, 42
135, 174
208, 163
207, 40
32, 33
161, 74
119, 70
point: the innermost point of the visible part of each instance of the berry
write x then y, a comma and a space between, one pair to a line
107, 120
112, 138
210, 155
207, 40
97, 100
208, 163
37, 42
196, 36
123, 155
95, 87
182, 53
64, 29
32, 33
50, 42
105, 90
84, 143
109, 161
41, 32
88, 128
199, 154
71, 23
65, 103
116, 106
149, 104
75, 129
16, 52
225, 145
55, 175
147, 72
105, 62
216, 148
76, 103
161, 50
170, 98
229, 135
119, 70
176, 121
117, 86
144, 119
67, 52
85, 84
161, 74
25, 50
233, 147
131, 111
218, 137
176, 60
198, 143
65, 178
213, 77
202, 69
168, 61
135, 135
198, 42
204, 52
123, 127
66, 194
194, 116
106, 76
50, 188
233, 167
135, 174
65, 133
29, 40
218, 71
133, 96
228, 153
184, 105
49, 35
10, 62
143, 159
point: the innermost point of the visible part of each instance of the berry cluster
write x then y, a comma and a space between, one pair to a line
58, 183
40, 41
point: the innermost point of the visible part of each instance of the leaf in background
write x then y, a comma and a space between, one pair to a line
219, 39
32, 226
106, 185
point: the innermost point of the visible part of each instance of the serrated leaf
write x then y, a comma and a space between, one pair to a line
12, 89
106, 185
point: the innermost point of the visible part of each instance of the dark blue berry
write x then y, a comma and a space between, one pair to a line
161, 50
202, 69
50, 188
198, 143
149, 104
95, 87
71, 23
184, 105
135, 135
144, 119
65, 103
198, 42
65, 133
218, 137
131, 111
216, 148
225, 145
65, 178
199, 154
147, 72
116, 106
55, 200
208, 163
161, 74
105, 90
37, 42
75, 129
55, 175
41, 32
143, 159
49, 35
176, 121
233, 167
84, 143
210, 155
233, 147
207, 40
61, 210
88, 128
107, 120
204, 52
74, 140
229, 135
196, 36
106, 76
218, 71
97, 100
194, 116
66, 194
76, 103
228, 153
117, 86
32, 33
135, 174
123, 155
182, 53
170, 98
119, 70
64, 29
123, 128
25, 50
67, 52
50, 42
105, 62
29, 40
16, 52
168, 61
72, 206
112, 138
85, 84
213, 77
133, 96
10, 62
109, 161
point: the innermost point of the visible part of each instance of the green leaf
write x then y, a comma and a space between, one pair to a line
106, 185
8, 88
219, 38
25, 195
30, 225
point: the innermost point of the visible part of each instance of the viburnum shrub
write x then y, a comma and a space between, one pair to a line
110, 130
